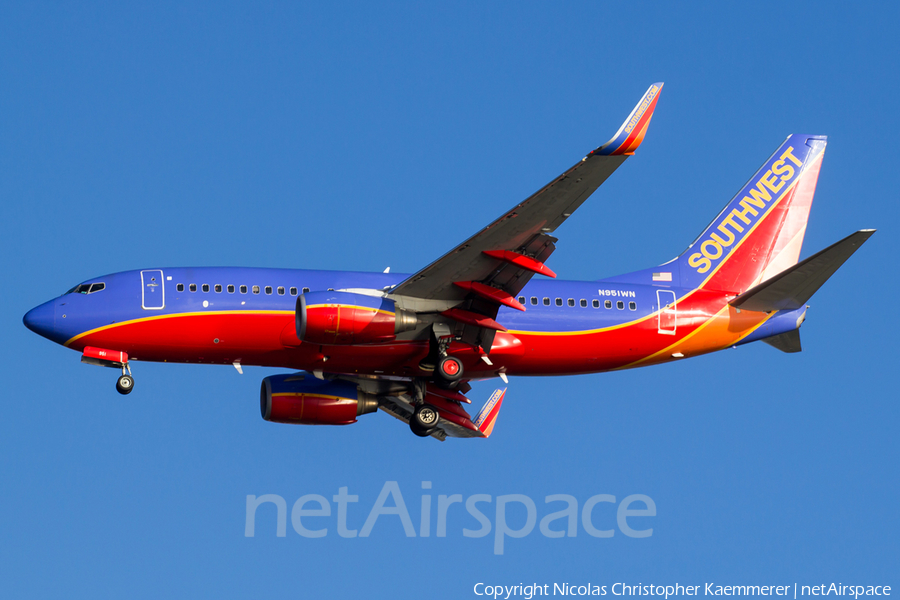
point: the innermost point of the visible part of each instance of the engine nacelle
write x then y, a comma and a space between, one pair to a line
342, 318
304, 400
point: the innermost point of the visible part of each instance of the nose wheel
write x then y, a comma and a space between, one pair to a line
125, 383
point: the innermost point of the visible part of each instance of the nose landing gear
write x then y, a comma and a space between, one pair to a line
125, 383
111, 358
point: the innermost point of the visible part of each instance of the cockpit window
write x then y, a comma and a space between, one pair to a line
87, 288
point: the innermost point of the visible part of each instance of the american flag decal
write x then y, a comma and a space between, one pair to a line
662, 277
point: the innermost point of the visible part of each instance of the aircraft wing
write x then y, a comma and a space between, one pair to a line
493, 265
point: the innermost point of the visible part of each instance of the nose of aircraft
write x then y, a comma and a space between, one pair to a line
41, 319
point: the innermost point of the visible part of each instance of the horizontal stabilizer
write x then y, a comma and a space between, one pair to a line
791, 288
786, 342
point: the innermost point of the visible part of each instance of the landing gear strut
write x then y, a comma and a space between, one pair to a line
448, 370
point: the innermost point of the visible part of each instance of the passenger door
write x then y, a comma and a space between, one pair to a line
667, 311
153, 292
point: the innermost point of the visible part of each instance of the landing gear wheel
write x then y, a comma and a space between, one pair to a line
125, 384
424, 420
449, 371
417, 431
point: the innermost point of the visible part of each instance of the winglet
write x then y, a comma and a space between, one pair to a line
487, 416
631, 133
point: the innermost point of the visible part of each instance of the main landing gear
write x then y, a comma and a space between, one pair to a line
125, 383
424, 420
448, 370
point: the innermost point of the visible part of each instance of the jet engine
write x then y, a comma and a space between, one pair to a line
303, 400
343, 318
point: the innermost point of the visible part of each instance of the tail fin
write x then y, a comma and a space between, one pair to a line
760, 232
487, 416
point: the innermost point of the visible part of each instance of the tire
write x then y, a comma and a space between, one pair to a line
449, 369
125, 384
425, 418
417, 430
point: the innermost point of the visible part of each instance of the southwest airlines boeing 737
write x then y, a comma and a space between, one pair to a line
409, 344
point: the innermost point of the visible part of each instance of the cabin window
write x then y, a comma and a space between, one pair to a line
218, 288
546, 301
255, 289
534, 300
521, 299
608, 304
293, 291
559, 301
571, 301
193, 287
180, 287
595, 303
305, 290
230, 288
620, 305
269, 290
205, 287
243, 289
583, 303
280, 291
632, 306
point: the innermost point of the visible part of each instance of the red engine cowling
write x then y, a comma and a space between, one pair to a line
304, 400
343, 318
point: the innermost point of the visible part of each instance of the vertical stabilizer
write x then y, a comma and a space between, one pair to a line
760, 232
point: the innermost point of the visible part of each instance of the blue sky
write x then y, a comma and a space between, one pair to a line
359, 137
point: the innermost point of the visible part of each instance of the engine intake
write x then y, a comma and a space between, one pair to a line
344, 318
304, 400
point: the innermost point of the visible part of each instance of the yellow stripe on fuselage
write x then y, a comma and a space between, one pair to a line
171, 316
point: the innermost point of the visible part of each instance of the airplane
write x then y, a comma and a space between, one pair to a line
409, 345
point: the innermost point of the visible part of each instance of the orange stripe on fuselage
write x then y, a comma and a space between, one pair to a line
704, 323
719, 332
